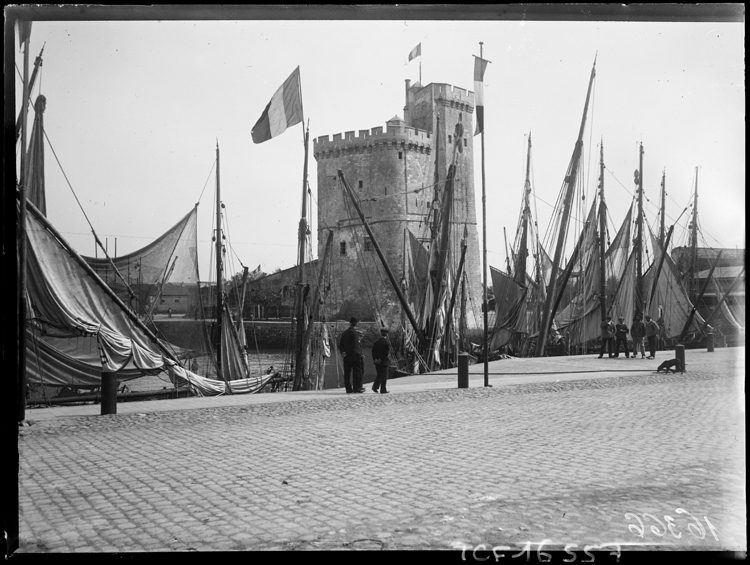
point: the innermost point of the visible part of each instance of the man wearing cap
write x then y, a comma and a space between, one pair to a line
354, 362
608, 331
621, 336
380, 351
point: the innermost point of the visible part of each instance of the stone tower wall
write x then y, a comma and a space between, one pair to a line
391, 170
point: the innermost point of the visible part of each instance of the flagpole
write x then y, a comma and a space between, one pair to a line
22, 250
484, 254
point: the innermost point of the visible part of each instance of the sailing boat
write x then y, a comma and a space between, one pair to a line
659, 291
552, 297
228, 355
432, 337
74, 330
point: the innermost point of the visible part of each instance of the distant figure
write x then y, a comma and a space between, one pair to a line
380, 356
194, 366
608, 332
661, 338
621, 336
351, 349
169, 312
652, 330
637, 332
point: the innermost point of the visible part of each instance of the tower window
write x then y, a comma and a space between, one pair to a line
368, 244
400, 155
361, 184
450, 139
342, 248
465, 142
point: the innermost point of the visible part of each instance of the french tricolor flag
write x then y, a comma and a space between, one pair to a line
479, 66
284, 110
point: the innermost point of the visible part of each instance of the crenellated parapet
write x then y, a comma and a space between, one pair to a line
446, 95
395, 136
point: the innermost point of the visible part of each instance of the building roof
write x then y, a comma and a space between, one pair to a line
722, 273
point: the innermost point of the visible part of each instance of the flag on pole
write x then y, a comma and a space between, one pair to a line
284, 110
479, 66
416, 52
24, 32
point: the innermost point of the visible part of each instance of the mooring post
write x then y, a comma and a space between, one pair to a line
463, 370
710, 342
679, 353
109, 393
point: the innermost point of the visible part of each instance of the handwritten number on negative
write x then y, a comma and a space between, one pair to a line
654, 529
638, 530
671, 525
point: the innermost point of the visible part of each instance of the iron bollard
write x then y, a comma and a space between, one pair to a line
710, 342
109, 393
679, 353
463, 370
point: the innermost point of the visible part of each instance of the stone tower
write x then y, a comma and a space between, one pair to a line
392, 172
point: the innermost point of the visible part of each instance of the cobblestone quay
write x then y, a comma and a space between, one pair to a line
568, 451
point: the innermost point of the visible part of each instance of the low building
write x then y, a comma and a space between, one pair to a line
181, 299
730, 319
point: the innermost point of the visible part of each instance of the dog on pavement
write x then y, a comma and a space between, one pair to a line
673, 364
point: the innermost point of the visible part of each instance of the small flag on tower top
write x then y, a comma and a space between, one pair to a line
479, 66
416, 52
284, 110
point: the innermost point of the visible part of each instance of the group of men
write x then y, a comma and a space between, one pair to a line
615, 334
350, 346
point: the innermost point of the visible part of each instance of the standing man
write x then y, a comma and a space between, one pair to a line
652, 330
380, 356
608, 332
621, 336
638, 330
351, 349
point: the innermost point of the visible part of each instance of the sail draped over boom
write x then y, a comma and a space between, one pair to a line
582, 315
173, 257
67, 302
670, 302
510, 301
616, 256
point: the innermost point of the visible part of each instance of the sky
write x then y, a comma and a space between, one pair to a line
135, 110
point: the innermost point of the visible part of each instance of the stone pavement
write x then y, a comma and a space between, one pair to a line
553, 451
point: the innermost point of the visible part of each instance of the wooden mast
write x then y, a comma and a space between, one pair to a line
388, 272
663, 207
694, 242
698, 298
21, 297
301, 346
219, 270
570, 181
523, 252
602, 231
639, 239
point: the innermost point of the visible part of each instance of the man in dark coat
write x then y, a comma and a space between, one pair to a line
621, 336
354, 362
608, 332
380, 356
